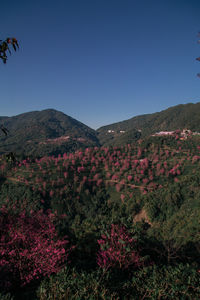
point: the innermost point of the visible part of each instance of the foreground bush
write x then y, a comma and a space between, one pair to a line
75, 285
117, 249
152, 282
6, 296
29, 248
168, 282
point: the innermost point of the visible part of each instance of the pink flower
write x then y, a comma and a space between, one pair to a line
129, 177
32, 248
117, 248
122, 197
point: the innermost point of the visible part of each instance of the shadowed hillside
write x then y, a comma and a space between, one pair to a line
45, 132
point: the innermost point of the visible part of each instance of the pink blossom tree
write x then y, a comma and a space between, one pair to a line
29, 248
117, 249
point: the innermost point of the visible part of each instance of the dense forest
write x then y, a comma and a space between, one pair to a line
117, 222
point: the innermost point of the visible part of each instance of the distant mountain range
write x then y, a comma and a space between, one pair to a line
50, 132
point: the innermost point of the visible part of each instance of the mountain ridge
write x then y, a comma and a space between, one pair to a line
50, 132
29, 133
176, 117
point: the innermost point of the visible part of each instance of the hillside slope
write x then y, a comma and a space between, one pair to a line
176, 117
45, 132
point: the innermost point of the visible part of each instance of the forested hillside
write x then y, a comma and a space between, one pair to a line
50, 132
38, 133
120, 223
184, 116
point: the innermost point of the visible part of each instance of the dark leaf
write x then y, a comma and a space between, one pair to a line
4, 46
5, 130
14, 47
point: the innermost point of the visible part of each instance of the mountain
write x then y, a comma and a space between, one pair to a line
183, 116
46, 132
51, 132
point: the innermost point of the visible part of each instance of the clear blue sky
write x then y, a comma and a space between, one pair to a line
100, 61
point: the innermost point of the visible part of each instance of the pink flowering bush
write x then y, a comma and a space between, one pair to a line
29, 248
117, 249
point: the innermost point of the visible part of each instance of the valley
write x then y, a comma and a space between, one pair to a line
139, 200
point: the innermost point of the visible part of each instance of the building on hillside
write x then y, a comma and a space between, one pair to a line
163, 133
196, 133
184, 134
111, 131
